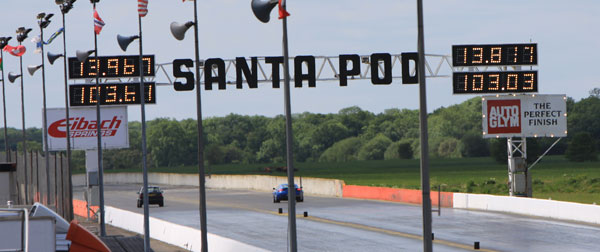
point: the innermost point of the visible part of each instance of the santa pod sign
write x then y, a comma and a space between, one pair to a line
84, 128
524, 116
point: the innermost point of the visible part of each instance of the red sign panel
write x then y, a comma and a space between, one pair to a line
504, 116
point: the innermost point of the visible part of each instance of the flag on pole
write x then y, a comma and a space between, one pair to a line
54, 35
143, 7
98, 23
282, 12
1, 65
38, 44
15, 50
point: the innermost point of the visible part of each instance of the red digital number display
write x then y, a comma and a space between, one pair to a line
111, 94
495, 82
494, 55
111, 67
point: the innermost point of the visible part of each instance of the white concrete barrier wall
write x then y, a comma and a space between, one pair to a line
178, 235
528, 206
311, 186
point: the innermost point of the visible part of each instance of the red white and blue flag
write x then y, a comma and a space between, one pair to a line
98, 23
143, 7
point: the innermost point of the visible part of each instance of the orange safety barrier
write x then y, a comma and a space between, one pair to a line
82, 240
395, 194
80, 208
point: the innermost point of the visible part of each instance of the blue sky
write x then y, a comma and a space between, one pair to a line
566, 33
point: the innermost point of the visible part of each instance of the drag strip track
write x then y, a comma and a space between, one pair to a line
335, 224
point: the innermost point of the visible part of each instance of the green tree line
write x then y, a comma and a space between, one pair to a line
350, 134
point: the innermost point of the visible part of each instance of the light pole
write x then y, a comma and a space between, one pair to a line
178, 32
262, 9
43, 22
99, 131
123, 43
82, 57
425, 188
65, 7
21, 36
3, 43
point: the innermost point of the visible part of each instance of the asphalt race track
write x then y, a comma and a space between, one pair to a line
336, 224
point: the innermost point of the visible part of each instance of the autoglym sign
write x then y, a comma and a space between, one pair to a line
524, 116
83, 127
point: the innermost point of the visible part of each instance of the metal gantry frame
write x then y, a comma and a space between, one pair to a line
517, 147
519, 181
327, 69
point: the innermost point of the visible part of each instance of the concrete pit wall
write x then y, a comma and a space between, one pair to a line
553, 209
178, 235
311, 186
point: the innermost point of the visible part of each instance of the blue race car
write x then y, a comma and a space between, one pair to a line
281, 193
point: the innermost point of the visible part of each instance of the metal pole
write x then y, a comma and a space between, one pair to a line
36, 189
45, 122
427, 245
99, 132
439, 200
144, 166
544, 154
4, 108
24, 131
201, 178
55, 183
289, 142
68, 121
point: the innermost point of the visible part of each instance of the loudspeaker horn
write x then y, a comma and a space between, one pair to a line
262, 9
32, 69
178, 30
125, 41
83, 55
52, 57
13, 76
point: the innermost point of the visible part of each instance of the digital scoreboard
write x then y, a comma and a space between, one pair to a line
111, 67
494, 82
494, 55
476, 81
111, 94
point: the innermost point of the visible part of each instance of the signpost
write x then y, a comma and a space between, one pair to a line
83, 128
509, 115
523, 116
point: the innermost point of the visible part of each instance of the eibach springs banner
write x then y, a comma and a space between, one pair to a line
84, 128
524, 116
